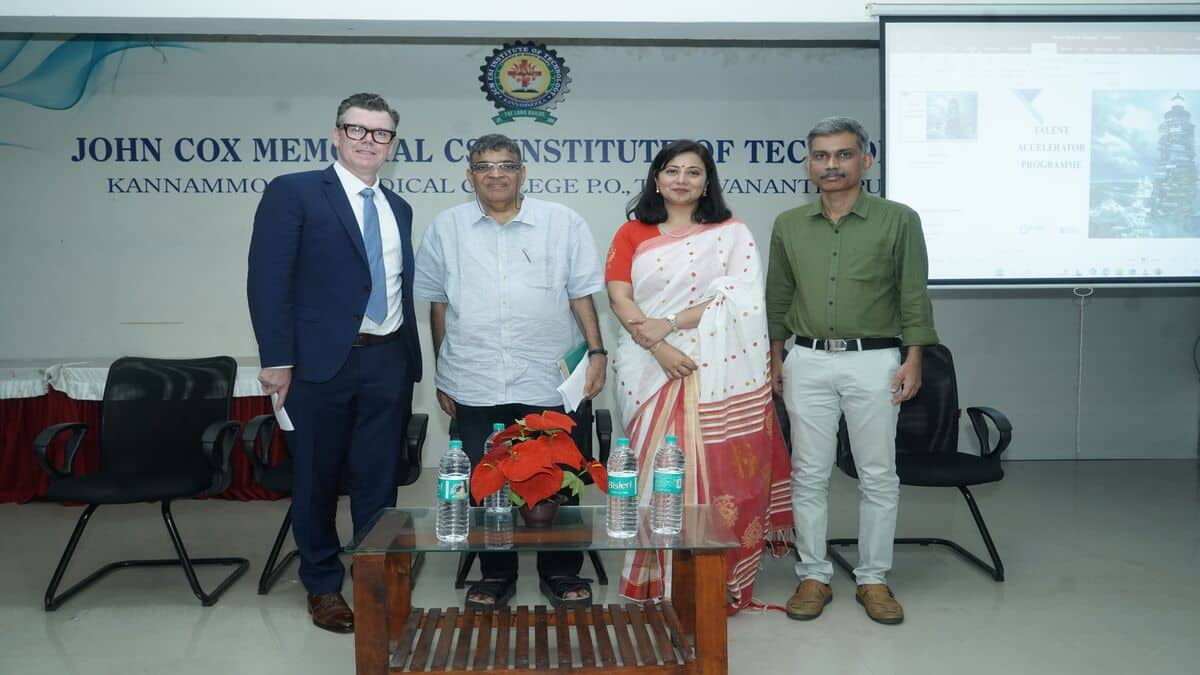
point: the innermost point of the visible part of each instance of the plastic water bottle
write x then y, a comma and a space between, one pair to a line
453, 495
498, 530
666, 504
498, 501
622, 491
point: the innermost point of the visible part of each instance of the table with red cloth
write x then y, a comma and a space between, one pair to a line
35, 394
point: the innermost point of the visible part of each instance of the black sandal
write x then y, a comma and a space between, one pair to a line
499, 590
556, 588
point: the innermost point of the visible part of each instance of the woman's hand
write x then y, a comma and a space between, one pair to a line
674, 363
648, 332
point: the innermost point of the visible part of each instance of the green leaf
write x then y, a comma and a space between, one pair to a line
517, 499
571, 480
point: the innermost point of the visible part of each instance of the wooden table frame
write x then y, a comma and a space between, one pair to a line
386, 625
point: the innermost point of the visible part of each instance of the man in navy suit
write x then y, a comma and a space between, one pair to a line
330, 292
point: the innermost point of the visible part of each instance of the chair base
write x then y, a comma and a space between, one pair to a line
994, 570
467, 558
274, 568
53, 600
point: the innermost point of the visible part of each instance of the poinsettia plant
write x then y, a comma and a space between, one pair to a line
538, 457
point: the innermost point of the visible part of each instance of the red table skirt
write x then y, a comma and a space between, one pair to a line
22, 419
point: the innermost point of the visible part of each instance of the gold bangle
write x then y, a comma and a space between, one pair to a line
655, 346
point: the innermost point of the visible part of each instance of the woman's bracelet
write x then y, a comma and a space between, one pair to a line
654, 347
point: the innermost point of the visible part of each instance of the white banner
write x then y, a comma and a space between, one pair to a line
131, 170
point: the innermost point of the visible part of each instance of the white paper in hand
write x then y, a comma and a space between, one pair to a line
571, 390
281, 416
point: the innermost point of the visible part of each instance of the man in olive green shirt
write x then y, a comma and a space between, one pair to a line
847, 276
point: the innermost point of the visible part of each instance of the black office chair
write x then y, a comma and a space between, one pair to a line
165, 434
256, 442
582, 435
927, 452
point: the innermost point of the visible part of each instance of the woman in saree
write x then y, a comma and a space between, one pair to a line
686, 282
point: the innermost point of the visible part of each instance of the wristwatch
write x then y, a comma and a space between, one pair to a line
673, 320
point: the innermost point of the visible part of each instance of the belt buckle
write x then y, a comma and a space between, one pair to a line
835, 345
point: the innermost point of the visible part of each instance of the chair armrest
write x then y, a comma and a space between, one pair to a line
603, 434
1003, 426
47, 436
217, 443
257, 437
414, 435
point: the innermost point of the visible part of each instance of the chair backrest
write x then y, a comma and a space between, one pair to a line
928, 422
155, 411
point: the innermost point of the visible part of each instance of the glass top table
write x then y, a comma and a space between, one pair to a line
685, 634
575, 528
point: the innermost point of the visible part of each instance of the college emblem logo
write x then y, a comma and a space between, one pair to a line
524, 79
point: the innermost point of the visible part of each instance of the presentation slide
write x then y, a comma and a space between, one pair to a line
1046, 152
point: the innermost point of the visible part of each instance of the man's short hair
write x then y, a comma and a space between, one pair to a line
366, 101
837, 125
494, 142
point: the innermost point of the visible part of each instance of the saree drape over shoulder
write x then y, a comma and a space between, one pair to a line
722, 413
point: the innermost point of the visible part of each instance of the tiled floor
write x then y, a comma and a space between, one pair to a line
1101, 560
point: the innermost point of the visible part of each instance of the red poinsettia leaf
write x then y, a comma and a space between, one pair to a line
529, 458
561, 421
539, 486
548, 420
599, 475
485, 480
509, 434
563, 450
499, 455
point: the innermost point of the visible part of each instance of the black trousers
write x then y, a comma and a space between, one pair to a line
474, 426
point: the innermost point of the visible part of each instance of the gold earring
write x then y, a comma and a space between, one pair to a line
656, 188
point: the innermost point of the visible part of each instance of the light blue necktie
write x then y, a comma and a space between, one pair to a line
377, 302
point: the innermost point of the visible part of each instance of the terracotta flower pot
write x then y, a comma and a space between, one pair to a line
542, 513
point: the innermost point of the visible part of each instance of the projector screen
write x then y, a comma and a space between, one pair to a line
1046, 152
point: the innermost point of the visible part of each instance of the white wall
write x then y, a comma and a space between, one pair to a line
451, 10
622, 19
84, 272
1113, 380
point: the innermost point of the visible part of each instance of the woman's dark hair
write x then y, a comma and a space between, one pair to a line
649, 207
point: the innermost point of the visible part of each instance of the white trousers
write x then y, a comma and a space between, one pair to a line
818, 387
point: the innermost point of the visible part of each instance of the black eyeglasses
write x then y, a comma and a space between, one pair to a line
483, 168
356, 133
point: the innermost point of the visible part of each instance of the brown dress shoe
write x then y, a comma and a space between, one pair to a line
809, 600
330, 611
880, 604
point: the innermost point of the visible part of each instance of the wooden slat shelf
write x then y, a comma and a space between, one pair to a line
687, 635
648, 640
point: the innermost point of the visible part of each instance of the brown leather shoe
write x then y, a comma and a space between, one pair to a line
880, 604
330, 611
809, 600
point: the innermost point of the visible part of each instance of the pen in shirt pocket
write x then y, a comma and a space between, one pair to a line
527, 258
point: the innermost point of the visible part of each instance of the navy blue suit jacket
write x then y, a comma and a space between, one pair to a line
308, 279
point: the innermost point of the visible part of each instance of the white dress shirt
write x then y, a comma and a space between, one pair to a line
389, 232
508, 290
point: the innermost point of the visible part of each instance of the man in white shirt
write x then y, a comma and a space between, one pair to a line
510, 281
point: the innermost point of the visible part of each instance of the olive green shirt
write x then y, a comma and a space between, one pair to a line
865, 276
